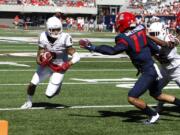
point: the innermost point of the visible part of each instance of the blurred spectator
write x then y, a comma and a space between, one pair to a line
2, 2
59, 14
91, 25
80, 23
86, 25
19, 2
16, 21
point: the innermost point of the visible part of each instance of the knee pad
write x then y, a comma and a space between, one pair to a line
56, 78
35, 79
52, 90
54, 85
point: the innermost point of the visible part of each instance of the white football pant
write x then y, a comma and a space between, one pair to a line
171, 75
55, 80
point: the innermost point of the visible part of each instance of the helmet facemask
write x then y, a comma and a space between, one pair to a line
55, 32
154, 34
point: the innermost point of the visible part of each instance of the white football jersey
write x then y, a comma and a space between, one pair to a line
59, 47
170, 55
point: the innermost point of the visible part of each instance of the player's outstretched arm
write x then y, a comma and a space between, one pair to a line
161, 42
103, 49
158, 41
86, 44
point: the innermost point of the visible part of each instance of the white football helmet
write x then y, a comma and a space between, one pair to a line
156, 29
54, 27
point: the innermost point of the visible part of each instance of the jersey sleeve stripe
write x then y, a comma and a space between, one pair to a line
122, 41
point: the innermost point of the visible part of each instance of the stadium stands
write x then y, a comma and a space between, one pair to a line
68, 3
156, 7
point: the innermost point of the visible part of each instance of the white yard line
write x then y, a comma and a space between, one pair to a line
95, 61
78, 107
73, 83
65, 83
13, 64
119, 84
35, 39
79, 70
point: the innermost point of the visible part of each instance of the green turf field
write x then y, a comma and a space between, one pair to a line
89, 103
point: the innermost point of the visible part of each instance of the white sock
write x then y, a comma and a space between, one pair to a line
29, 98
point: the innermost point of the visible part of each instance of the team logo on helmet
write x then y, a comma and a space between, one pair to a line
121, 17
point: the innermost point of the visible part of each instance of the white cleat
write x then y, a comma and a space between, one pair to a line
152, 119
26, 105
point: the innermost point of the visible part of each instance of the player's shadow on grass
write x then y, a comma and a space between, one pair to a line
47, 105
130, 116
135, 115
173, 111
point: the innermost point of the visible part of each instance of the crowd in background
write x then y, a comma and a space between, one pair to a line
75, 3
68, 3
164, 9
164, 12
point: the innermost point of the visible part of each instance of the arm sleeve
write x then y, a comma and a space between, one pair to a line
109, 50
153, 46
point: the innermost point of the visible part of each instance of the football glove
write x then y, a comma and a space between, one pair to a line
65, 66
172, 41
54, 67
59, 68
86, 44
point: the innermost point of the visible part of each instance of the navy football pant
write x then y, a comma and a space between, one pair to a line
147, 81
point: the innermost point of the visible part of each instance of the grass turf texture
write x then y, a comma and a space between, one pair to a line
68, 121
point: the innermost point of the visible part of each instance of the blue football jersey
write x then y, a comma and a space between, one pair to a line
137, 46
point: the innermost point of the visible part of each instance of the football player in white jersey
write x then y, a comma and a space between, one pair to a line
59, 45
168, 57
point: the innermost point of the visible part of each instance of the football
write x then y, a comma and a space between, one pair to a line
46, 56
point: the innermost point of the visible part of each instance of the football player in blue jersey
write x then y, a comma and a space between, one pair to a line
132, 39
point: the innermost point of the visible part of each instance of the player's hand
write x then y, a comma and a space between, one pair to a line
65, 66
59, 68
86, 44
170, 44
55, 68
176, 41
173, 41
